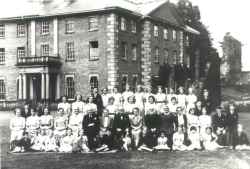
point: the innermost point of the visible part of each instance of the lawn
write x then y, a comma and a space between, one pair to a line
225, 159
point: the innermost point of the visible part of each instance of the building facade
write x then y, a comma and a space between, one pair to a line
43, 57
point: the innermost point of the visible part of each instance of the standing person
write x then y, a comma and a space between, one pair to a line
146, 94
160, 97
130, 105
121, 103
64, 105
91, 125
181, 97
231, 126
136, 127
26, 111
116, 95
172, 105
17, 126
105, 97
127, 93
90, 104
46, 120
150, 106
198, 108
190, 99
139, 96
111, 108
206, 101
121, 124
32, 123
79, 104
219, 121
168, 124
181, 118
97, 99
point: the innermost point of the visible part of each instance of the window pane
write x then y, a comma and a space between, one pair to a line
70, 51
124, 50
2, 55
93, 82
133, 26
93, 50
134, 52
45, 50
20, 30
157, 57
156, 31
123, 24
45, 27
166, 56
2, 31
93, 23
70, 87
2, 90
20, 52
69, 26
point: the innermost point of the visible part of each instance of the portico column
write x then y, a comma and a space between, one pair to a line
24, 86
58, 81
33, 37
43, 86
47, 85
20, 92
31, 89
55, 36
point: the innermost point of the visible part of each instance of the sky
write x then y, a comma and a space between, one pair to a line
220, 16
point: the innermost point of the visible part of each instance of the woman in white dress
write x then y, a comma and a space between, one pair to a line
90, 105
66, 145
46, 120
194, 138
79, 104
75, 121
205, 120
32, 123
60, 124
170, 94
160, 97
181, 97
65, 106
50, 143
139, 96
150, 106
111, 108
178, 140
190, 99
127, 93
147, 92
209, 140
116, 95
192, 119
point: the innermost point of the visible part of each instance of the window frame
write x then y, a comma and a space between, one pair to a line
166, 58
21, 54
67, 87
45, 27
134, 53
98, 51
97, 77
2, 56
156, 31
3, 91
69, 26
123, 86
157, 55
42, 49
96, 25
166, 34
124, 51
133, 26
21, 31
2, 30
70, 51
174, 34
123, 24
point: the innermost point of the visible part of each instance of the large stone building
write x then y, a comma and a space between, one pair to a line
72, 46
231, 59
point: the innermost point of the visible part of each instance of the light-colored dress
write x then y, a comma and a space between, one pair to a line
32, 125
17, 126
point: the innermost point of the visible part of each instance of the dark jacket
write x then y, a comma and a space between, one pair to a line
218, 121
97, 99
91, 124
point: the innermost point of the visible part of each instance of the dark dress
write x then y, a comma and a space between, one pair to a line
242, 139
231, 126
97, 99
91, 126
218, 121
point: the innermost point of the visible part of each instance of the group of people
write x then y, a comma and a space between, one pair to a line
140, 120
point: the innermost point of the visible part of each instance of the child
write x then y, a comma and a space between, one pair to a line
181, 97
242, 142
178, 140
46, 120
61, 123
136, 126
50, 143
66, 145
38, 142
209, 140
17, 126
205, 120
80, 143
162, 142
194, 138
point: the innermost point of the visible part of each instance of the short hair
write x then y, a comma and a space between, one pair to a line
111, 98
193, 128
173, 98
151, 96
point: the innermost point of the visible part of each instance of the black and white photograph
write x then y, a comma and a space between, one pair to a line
124, 84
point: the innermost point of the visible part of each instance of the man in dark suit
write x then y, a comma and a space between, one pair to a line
219, 120
91, 125
97, 99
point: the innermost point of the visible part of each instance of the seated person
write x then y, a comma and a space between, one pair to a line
194, 138
242, 142
111, 107
104, 136
17, 126
38, 141
120, 125
75, 121
80, 144
66, 145
136, 126
50, 143
219, 120
60, 124
205, 120
32, 123
91, 126
162, 142
22, 145
178, 140
209, 140
192, 119
221, 136
46, 120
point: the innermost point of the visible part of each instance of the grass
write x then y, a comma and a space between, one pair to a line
225, 159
